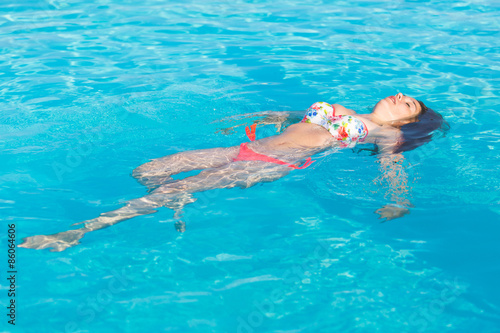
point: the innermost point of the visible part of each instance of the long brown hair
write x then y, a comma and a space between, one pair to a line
429, 124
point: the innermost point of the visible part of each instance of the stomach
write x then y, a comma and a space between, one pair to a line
297, 141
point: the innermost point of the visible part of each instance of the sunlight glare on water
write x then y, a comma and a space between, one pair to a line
91, 90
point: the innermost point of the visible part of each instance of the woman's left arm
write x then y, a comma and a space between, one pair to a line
280, 119
395, 179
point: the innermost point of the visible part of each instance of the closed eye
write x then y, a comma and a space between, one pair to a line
409, 104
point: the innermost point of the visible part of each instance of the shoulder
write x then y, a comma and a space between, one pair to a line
387, 138
343, 111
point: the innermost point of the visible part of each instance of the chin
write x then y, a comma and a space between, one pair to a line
384, 111
381, 106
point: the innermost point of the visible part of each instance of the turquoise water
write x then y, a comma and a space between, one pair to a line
90, 91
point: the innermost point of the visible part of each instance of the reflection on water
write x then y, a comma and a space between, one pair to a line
90, 91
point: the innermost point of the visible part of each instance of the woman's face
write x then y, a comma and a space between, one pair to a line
399, 108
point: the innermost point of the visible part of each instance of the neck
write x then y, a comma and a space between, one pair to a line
394, 123
374, 119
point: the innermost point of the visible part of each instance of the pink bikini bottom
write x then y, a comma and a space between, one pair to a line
247, 154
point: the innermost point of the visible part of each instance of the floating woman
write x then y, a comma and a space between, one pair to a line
396, 124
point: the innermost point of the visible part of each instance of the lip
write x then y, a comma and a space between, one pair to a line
393, 99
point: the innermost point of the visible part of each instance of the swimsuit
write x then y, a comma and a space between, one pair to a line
344, 128
247, 154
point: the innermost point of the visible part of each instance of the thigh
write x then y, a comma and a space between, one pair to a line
158, 171
241, 174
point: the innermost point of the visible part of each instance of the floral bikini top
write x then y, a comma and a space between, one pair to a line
346, 129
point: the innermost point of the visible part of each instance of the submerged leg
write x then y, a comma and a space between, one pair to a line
159, 171
241, 174
63, 240
173, 195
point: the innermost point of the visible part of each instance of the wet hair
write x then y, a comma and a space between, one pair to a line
430, 124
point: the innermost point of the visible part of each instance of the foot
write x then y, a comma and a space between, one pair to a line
56, 242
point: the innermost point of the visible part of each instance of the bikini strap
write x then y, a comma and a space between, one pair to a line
251, 133
307, 163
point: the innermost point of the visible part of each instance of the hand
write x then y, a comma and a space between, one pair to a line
180, 226
391, 212
277, 118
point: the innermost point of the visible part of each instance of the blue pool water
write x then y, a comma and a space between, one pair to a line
91, 90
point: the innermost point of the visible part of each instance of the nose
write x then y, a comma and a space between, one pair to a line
399, 96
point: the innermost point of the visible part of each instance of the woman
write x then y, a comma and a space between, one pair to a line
271, 158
